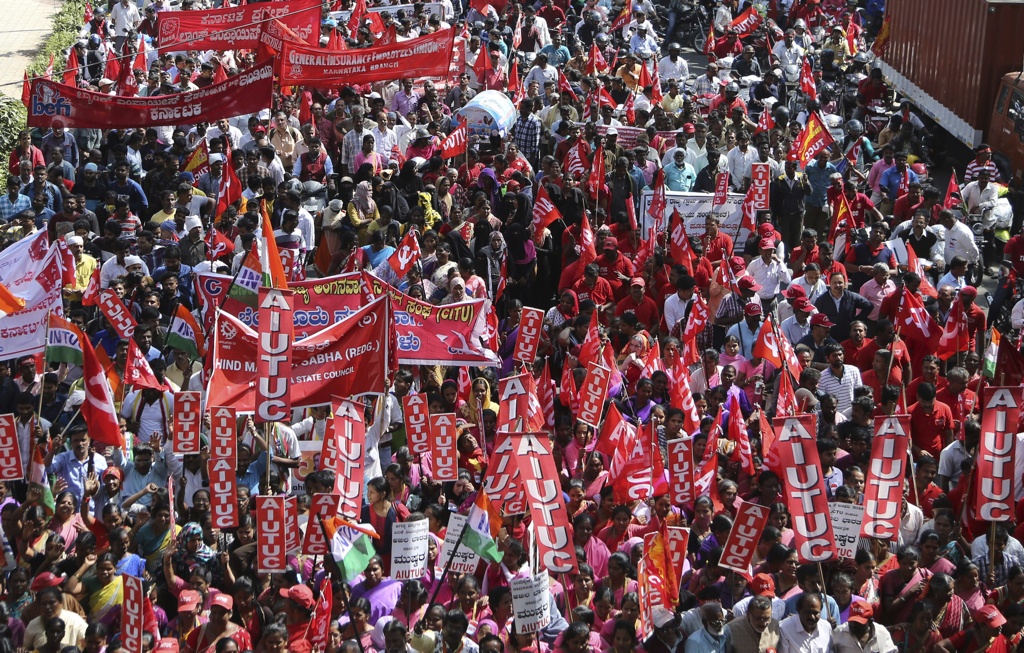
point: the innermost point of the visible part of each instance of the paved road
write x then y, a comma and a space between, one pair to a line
26, 27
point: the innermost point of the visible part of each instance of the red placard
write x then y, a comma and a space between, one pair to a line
241, 94
680, 472
883, 488
187, 422
503, 484
270, 537
999, 417
221, 467
117, 314
744, 536
805, 488
593, 394
274, 357
760, 180
235, 27
677, 538
721, 189
544, 493
427, 56
351, 433
292, 534
513, 403
10, 452
322, 507
329, 453
417, 426
133, 605
531, 325
444, 455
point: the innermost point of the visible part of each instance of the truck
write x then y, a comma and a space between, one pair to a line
960, 63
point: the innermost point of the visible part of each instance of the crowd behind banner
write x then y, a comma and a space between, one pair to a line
490, 327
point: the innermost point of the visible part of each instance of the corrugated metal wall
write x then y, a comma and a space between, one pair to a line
957, 50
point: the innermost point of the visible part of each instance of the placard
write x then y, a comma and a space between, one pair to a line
10, 453
846, 523
530, 602
466, 559
409, 549
187, 423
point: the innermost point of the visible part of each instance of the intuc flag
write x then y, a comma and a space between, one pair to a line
813, 138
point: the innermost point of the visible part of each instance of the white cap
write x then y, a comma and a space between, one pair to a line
264, 114
217, 158
132, 260
661, 616
193, 221
72, 239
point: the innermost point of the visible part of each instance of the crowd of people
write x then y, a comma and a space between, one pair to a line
585, 76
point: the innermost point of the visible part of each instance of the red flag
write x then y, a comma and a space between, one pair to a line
706, 480
407, 254
623, 18
630, 110
742, 452
482, 65
658, 202
915, 322
320, 624
952, 193
219, 74
88, 16
807, 84
745, 24
596, 63
710, 43
590, 350
563, 87
767, 345
595, 181
455, 143
577, 160
786, 405
881, 43
843, 216
334, 42
137, 371
546, 396
306, 108
567, 388
26, 90
544, 213
358, 11
198, 162
914, 265
954, 337
697, 321
48, 73
616, 436
656, 95
515, 84
748, 210
765, 122
71, 68
681, 396
230, 190
92, 290
813, 138
113, 68
218, 245
679, 244
644, 80
98, 407
586, 246
721, 190
127, 84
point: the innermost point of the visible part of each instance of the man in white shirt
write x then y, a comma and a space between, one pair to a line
788, 52
861, 633
677, 305
797, 325
769, 271
806, 631
673, 66
124, 17
959, 239
541, 72
740, 159
384, 137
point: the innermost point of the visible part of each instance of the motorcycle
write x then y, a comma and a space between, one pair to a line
1009, 291
692, 25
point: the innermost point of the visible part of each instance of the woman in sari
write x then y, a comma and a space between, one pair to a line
398, 483
204, 639
950, 546
1012, 592
18, 595
496, 617
930, 545
382, 513
155, 535
919, 634
638, 408
362, 210
967, 585
190, 550
412, 602
596, 551
578, 504
903, 586
33, 547
633, 358
66, 521
581, 591
479, 401
359, 626
381, 593
450, 394
619, 579
103, 592
595, 476
865, 581
629, 612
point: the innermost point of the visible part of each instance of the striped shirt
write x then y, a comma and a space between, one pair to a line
840, 387
973, 168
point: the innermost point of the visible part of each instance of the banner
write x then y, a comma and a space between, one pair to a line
270, 538
444, 455
883, 487
513, 403
409, 549
846, 524
38, 282
531, 325
417, 426
503, 483
746, 531
680, 471
188, 418
238, 95
119, 317
676, 540
805, 487
760, 180
235, 27
695, 208
426, 56
530, 602
10, 459
221, 467
133, 617
272, 34
348, 358
351, 438
274, 361
465, 560
593, 394
321, 508
995, 476
540, 481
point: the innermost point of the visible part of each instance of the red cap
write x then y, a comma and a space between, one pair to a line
168, 644
795, 291
767, 243
763, 585
969, 291
44, 580
223, 600
752, 309
801, 304
820, 319
610, 243
861, 612
766, 229
989, 616
301, 595
748, 283
638, 281
689, 128
189, 600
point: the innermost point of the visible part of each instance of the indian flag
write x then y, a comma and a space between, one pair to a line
482, 528
270, 256
247, 282
63, 342
991, 355
9, 303
351, 545
184, 333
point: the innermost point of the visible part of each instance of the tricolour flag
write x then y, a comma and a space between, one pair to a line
482, 528
9, 303
184, 333
270, 256
63, 344
351, 546
247, 281
992, 354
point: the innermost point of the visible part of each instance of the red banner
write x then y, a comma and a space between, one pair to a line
320, 625
270, 537
999, 417
540, 481
513, 403
77, 108
133, 617
417, 427
805, 487
760, 180
273, 34
351, 432
221, 467
188, 419
444, 455
322, 507
544, 213
503, 483
236, 27
345, 359
680, 472
427, 56
292, 534
10, 461
530, 327
744, 536
119, 317
676, 539
593, 394
330, 454
721, 189
746, 23
883, 488
273, 386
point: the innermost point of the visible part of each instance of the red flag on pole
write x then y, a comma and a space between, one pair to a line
807, 84
596, 63
544, 213
137, 371
721, 190
407, 254
563, 87
455, 143
98, 407
230, 189
218, 245
953, 198
813, 138
71, 68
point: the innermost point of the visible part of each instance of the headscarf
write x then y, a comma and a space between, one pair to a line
574, 311
430, 214
363, 198
181, 557
474, 409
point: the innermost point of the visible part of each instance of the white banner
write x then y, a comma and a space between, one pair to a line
466, 559
21, 333
530, 602
846, 522
409, 549
695, 209
428, 7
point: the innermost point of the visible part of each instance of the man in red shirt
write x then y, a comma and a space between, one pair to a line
717, 245
880, 366
637, 302
931, 423
885, 338
1014, 252
806, 252
903, 208
975, 316
929, 374
614, 268
962, 401
593, 287
861, 206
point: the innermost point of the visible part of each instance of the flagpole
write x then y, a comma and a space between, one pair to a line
46, 343
447, 565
